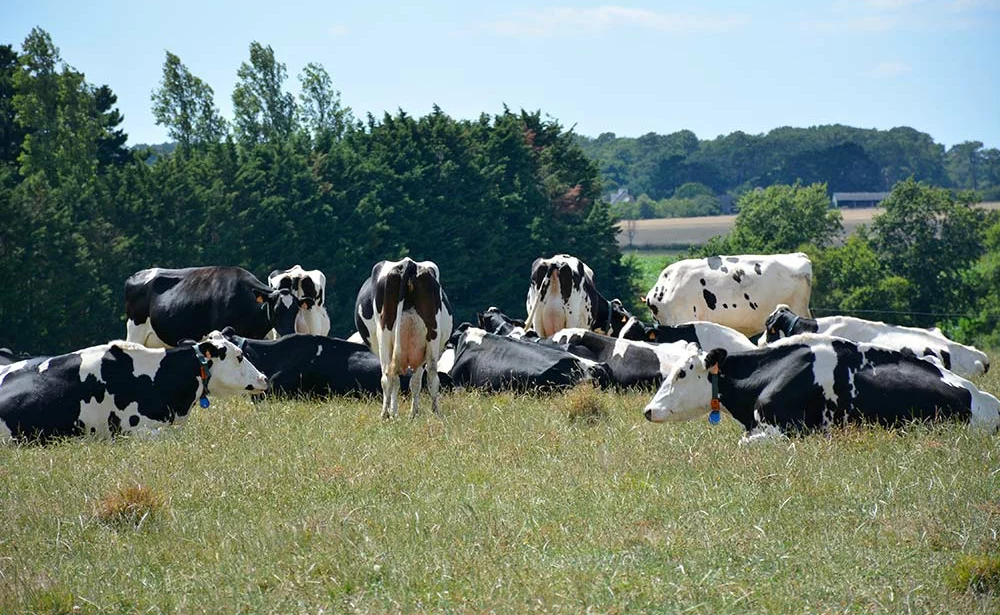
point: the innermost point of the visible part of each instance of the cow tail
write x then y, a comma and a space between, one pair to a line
543, 288
406, 279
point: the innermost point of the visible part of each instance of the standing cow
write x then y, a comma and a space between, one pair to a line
404, 316
966, 361
814, 381
563, 295
165, 306
736, 291
118, 387
309, 289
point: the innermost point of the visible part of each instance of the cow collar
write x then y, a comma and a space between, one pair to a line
791, 327
205, 373
713, 375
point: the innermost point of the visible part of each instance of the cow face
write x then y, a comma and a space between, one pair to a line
636, 330
779, 324
281, 309
230, 372
686, 392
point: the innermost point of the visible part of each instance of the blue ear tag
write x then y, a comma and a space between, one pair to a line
203, 402
714, 417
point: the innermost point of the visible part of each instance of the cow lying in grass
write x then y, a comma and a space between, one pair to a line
816, 382
118, 387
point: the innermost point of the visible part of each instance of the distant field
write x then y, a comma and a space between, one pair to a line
665, 232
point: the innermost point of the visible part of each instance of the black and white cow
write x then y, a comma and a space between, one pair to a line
492, 362
496, 322
632, 364
309, 288
165, 306
563, 295
736, 291
816, 382
404, 316
119, 387
966, 361
705, 334
312, 365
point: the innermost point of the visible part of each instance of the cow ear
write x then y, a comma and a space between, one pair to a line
715, 358
652, 335
206, 348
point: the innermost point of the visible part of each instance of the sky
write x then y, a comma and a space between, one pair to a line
710, 66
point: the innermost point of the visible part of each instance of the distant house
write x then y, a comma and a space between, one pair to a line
858, 199
622, 196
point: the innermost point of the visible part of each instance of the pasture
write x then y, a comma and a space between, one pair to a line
509, 503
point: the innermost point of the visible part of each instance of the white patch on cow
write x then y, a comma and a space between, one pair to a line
145, 361
287, 300
620, 347
44, 365
6, 435
474, 335
319, 350
824, 363
94, 415
144, 334
90, 361
146, 275
13, 367
356, 338
763, 434
670, 355
447, 361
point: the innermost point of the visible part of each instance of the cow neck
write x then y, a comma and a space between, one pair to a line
809, 325
737, 388
205, 374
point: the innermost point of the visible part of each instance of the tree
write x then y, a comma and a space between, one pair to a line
185, 105
783, 218
11, 132
928, 237
319, 105
262, 111
111, 148
965, 162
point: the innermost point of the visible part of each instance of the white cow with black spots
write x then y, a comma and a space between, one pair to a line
735, 291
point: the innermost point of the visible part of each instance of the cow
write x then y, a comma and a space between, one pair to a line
119, 387
966, 361
496, 322
810, 382
705, 334
405, 318
736, 291
165, 306
630, 363
492, 362
312, 365
309, 289
562, 295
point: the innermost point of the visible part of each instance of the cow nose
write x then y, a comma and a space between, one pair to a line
648, 414
986, 367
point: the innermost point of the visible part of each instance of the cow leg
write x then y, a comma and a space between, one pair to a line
433, 385
416, 382
390, 394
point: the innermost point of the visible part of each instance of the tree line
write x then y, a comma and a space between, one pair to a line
679, 166
286, 180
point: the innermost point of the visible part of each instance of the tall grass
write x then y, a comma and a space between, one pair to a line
508, 504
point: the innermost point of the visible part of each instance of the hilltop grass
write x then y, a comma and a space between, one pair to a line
508, 504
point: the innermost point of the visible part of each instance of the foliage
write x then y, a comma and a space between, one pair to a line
185, 105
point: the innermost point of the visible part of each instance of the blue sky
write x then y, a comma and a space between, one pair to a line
713, 66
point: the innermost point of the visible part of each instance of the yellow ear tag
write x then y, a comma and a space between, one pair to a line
260, 299
652, 335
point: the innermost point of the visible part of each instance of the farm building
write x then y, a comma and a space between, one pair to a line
858, 199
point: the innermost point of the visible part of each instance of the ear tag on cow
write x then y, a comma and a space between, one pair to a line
203, 401
714, 416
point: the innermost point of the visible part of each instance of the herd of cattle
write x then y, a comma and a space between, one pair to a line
206, 331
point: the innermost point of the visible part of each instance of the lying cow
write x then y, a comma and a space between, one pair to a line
404, 317
812, 381
119, 387
705, 334
736, 291
312, 365
165, 306
562, 295
496, 322
309, 289
499, 363
632, 364
966, 361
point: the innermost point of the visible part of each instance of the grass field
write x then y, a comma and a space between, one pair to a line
507, 504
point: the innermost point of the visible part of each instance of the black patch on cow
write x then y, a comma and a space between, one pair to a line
702, 280
725, 306
738, 276
567, 281
746, 296
114, 423
681, 374
133, 420
756, 268
732, 259
665, 334
709, 298
946, 359
753, 306
724, 269
652, 308
714, 262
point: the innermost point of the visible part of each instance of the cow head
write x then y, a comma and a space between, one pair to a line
280, 308
229, 373
686, 392
636, 330
969, 360
783, 322
618, 317
495, 321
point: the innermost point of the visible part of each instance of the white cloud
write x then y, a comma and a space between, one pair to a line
890, 69
558, 20
338, 30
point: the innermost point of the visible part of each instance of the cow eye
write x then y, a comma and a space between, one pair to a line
681, 374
